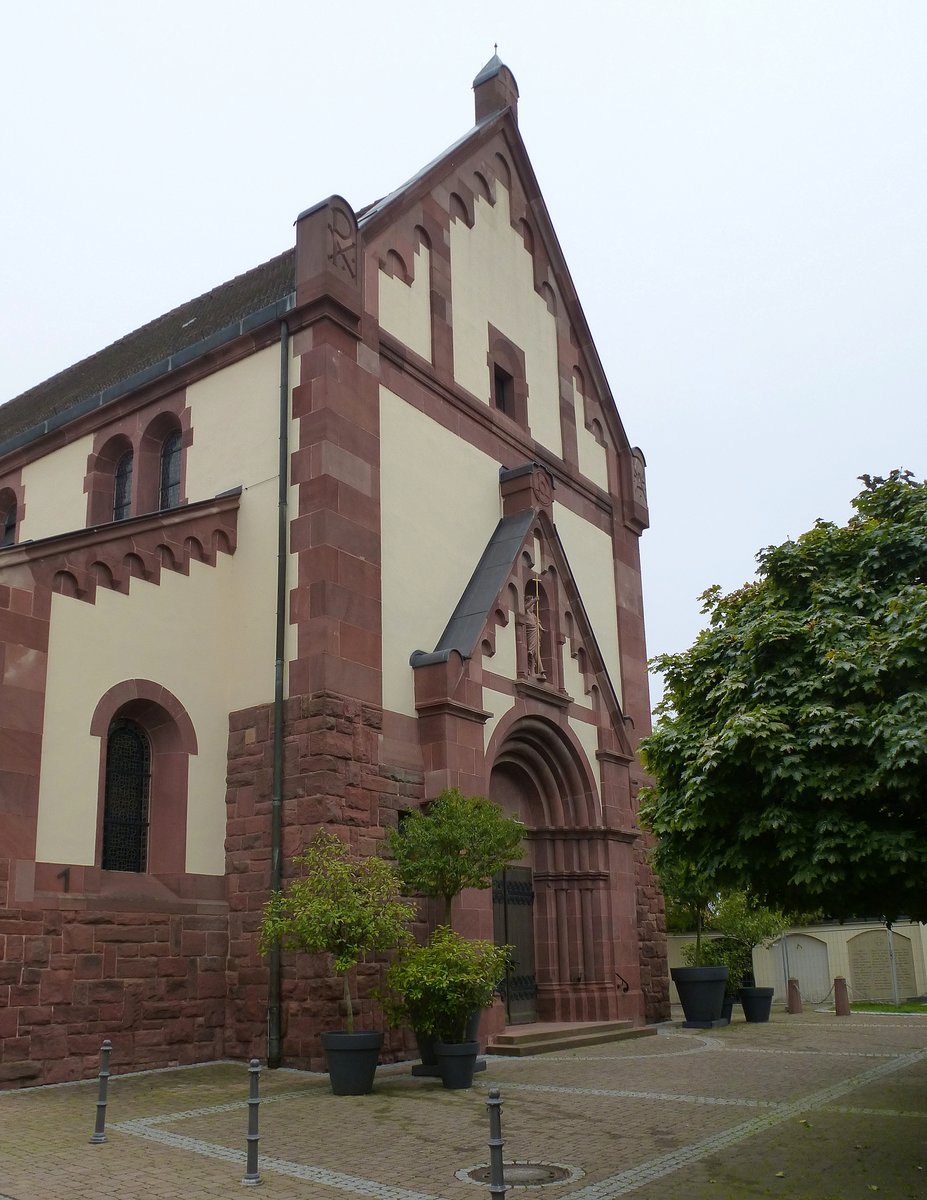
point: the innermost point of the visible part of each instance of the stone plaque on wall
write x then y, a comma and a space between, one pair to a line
871, 970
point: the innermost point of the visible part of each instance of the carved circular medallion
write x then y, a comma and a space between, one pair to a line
542, 488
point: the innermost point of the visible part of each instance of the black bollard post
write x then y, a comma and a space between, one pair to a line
496, 1173
98, 1134
251, 1177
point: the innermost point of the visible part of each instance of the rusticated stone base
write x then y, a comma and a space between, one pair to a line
75, 972
651, 925
333, 777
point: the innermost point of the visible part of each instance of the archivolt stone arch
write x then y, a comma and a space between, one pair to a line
540, 773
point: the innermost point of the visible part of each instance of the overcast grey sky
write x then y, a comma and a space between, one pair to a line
738, 185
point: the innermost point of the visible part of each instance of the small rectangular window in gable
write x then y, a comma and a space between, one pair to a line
503, 390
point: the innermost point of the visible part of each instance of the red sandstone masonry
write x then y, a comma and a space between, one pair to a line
78, 974
333, 778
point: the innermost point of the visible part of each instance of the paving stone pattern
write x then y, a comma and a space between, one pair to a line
812, 1107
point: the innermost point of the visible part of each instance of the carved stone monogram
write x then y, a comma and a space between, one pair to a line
343, 245
639, 480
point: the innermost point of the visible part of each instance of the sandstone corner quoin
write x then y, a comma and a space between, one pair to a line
355, 527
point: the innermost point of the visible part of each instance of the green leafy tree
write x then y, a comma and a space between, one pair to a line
457, 842
790, 758
345, 904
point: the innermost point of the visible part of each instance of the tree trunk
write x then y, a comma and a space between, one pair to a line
348, 1005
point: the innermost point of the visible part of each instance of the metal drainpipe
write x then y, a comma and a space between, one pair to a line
274, 1057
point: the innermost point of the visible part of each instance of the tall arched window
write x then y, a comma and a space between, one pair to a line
125, 803
169, 496
7, 518
122, 489
146, 739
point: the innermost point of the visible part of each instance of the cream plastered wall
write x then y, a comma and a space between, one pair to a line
588, 737
440, 506
405, 310
573, 680
505, 661
235, 417
497, 703
207, 637
589, 552
492, 283
592, 460
53, 488
170, 634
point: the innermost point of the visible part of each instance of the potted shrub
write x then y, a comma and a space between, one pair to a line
452, 843
437, 986
746, 924
722, 952
345, 905
701, 984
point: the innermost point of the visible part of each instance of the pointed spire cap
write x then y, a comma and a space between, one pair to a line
495, 89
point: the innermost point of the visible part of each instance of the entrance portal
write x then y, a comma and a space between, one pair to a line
513, 925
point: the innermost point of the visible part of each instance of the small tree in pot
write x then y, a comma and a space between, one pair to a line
701, 984
746, 924
345, 905
456, 842
437, 987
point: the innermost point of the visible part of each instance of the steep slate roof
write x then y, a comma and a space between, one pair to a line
161, 341
472, 612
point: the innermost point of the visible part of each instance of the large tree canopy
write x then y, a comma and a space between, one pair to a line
790, 756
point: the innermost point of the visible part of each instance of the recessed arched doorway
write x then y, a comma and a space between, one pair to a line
556, 906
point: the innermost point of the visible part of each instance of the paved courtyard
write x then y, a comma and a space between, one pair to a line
810, 1107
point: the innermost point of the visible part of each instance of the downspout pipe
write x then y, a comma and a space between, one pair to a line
274, 1055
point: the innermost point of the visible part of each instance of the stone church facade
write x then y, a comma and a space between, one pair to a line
357, 526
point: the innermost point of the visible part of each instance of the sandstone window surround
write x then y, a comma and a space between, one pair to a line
146, 739
137, 466
9, 510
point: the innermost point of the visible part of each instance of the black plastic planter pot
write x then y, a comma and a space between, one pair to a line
352, 1061
756, 1002
457, 1061
426, 1048
701, 993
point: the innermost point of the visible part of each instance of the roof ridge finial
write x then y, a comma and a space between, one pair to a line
495, 88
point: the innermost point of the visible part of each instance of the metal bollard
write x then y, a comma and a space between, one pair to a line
841, 998
98, 1135
496, 1173
251, 1177
794, 1001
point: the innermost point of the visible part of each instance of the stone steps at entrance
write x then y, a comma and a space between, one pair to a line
547, 1037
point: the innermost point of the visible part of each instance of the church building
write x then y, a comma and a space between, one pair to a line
357, 526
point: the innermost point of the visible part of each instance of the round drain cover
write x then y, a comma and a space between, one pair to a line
524, 1174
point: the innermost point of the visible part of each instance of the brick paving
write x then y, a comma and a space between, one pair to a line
809, 1107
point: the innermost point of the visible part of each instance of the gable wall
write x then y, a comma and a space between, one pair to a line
440, 503
492, 283
405, 305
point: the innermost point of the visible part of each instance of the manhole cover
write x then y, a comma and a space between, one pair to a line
524, 1174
